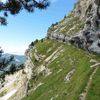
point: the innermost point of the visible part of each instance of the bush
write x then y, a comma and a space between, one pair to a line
47, 37
36, 41
32, 44
42, 40
13, 68
65, 17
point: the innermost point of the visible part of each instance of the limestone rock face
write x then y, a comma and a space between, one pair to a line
81, 7
89, 37
59, 37
29, 64
14, 87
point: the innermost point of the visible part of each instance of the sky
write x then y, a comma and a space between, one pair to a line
24, 28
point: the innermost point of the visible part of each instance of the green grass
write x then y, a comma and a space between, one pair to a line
74, 23
94, 91
69, 25
3, 93
43, 47
54, 85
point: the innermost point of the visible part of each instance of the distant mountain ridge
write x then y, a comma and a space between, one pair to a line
18, 58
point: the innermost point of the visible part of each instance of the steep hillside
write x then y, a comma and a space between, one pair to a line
63, 72
67, 26
59, 70
13, 77
82, 25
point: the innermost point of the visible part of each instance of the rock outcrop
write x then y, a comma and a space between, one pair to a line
14, 85
87, 38
59, 37
45, 61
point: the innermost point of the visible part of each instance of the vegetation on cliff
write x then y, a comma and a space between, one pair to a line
70, 25
69, 72
61, 71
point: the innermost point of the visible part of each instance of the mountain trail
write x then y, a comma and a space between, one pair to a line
85, 91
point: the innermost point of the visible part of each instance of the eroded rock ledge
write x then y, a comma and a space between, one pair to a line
89, 37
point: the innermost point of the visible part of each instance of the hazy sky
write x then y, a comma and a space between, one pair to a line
24, 28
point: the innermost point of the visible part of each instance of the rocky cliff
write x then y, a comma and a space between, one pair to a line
60, 71
89, 37
55, 69
14, 87
14, 76
81, 27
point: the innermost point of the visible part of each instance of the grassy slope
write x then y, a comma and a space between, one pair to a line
68, 25
94, 91
43, 48
54, 87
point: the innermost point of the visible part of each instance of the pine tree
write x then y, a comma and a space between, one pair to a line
8, 64
14, 7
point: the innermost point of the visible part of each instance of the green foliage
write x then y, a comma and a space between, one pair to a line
42, 48
42, 40
54, 86
36, 41
70, 25
54, 24
64, 16
94, 91
13, 68
3, 93
32, 44
8, 65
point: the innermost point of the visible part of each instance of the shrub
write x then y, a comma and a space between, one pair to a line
41, 40
32, 44
36, 41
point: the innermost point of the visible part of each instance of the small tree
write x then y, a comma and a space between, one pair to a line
13, 68
32, 44
42, 40
36, 41
1, 51
11, 58
8, 64
64, 16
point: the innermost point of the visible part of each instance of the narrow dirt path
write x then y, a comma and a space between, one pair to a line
85, 91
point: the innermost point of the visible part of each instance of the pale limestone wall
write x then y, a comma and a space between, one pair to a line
15, 86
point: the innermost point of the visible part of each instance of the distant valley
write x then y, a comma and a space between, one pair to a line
17, 58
